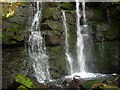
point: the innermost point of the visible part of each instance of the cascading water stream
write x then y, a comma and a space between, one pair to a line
80, 42
68, 55
82, 36
37, 50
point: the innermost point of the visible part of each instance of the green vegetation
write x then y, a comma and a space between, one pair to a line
21, 79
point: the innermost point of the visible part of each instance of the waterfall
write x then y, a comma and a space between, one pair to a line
68, 54
80, 40
37, 50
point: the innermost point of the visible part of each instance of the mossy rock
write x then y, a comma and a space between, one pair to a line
21, 87
57, 61
51, 12
66, 6
55, 25
70, 18
19, 36
52, 37
21, 79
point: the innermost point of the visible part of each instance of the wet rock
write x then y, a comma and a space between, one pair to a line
111, 33
51, 12
55, 25
94, 14
105, 57
71, 18
57, 61
102, 30
52, 37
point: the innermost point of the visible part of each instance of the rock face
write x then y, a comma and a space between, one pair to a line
14, 26
104, 26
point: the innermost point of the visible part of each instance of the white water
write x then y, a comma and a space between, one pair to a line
37, 50
68, 54
81, 57
80, 41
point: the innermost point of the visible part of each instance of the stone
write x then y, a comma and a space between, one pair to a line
7, 36
21, 15
20, 35
71, 18
55, 25
52, 37
94, 14
51, 12
57, 61
111, 33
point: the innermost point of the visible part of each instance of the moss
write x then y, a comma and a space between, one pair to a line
18, 37
57, 61
19, 78
66, 5
70, 11
56, 33
13, 42
21, 87
16, 27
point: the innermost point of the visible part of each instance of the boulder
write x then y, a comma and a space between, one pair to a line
55, 25
52, 37
21, 79
51, 12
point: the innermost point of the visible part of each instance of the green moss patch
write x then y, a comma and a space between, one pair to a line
19, 78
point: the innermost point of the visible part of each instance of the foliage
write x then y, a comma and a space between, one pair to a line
8, 9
